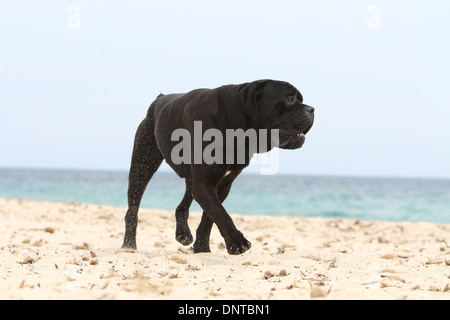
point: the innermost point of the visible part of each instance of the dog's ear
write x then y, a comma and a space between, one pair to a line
249, 96
299, 96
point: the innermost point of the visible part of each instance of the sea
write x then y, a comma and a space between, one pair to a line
362, 198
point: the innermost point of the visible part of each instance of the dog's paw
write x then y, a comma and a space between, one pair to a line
200, 246
129, 245
238, 245
184, 238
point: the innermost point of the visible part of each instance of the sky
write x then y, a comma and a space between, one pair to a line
77, 77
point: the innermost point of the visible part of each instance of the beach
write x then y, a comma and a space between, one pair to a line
52, 250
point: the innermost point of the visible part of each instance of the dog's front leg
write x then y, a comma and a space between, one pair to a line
205, 193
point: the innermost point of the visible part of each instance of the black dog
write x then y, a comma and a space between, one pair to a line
263, 104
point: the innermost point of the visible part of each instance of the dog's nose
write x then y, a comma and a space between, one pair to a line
309, 109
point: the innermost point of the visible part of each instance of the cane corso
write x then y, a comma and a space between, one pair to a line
262, 104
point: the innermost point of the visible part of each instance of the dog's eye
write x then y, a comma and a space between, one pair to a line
290, 100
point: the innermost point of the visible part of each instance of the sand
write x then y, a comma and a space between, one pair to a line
72, 251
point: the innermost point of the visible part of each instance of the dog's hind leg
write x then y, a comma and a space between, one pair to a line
145, 161
183, 233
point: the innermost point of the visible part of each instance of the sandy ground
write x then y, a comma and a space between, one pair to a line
71, 251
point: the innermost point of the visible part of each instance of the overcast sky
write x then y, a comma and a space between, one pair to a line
77, 77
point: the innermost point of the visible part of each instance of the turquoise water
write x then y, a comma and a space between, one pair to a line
393, 199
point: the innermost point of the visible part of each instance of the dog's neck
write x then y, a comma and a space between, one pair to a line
235, 118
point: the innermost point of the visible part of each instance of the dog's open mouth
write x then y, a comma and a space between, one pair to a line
292, 139
292, 135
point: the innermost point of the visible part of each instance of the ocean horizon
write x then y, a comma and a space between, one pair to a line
343, 197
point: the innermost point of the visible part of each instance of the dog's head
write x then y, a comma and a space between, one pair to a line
278, 105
